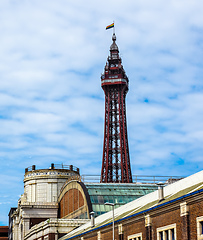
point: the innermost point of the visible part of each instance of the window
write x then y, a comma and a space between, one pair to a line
100, 199
137, 236
200, 228
167, 232
121, 237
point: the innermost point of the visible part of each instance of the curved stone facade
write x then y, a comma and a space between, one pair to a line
39, 200
44, 185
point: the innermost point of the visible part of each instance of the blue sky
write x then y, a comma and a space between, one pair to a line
51, 102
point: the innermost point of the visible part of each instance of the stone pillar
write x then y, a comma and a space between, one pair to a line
185, 227
20, 230
26, 225
148, 227
99, 236
15, 228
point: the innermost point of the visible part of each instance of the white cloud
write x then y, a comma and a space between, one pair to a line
51, 102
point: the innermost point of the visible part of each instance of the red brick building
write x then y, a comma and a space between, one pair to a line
173, 212
3, 232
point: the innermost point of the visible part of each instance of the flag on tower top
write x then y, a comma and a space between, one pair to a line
110, 26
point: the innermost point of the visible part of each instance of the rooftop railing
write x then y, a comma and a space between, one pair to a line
55, 166
139, 179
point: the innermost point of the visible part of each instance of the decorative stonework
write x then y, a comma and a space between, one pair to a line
39, 202
147, 220
44, 185
120, 229
184, 209
52, 225
99, 236
47, 173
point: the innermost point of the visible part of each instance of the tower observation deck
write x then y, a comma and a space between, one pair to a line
116, 159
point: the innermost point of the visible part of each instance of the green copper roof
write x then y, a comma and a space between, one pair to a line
118, 193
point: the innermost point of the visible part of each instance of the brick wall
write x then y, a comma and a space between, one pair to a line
133, 228
185, 222
167, 218
196, 210
3, 232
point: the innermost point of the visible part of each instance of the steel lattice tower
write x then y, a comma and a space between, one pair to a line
116, 159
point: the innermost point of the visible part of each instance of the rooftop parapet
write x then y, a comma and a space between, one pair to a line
54, 171
56, 167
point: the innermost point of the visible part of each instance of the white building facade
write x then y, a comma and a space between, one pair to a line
39, 200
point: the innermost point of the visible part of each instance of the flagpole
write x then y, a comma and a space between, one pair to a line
113, 28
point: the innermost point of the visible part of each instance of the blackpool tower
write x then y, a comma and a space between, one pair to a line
116, 159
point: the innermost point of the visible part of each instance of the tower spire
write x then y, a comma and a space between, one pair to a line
114, 82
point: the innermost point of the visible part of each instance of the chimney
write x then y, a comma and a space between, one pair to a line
52, 165
92, 219
160, 191
33, 167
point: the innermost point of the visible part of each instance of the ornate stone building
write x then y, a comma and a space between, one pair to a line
55, 201
39, 200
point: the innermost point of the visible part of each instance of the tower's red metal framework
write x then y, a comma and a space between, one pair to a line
116, 159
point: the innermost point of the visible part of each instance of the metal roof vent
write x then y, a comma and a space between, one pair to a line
92, 219
160, 191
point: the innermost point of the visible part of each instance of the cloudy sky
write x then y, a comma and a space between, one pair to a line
51, 102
